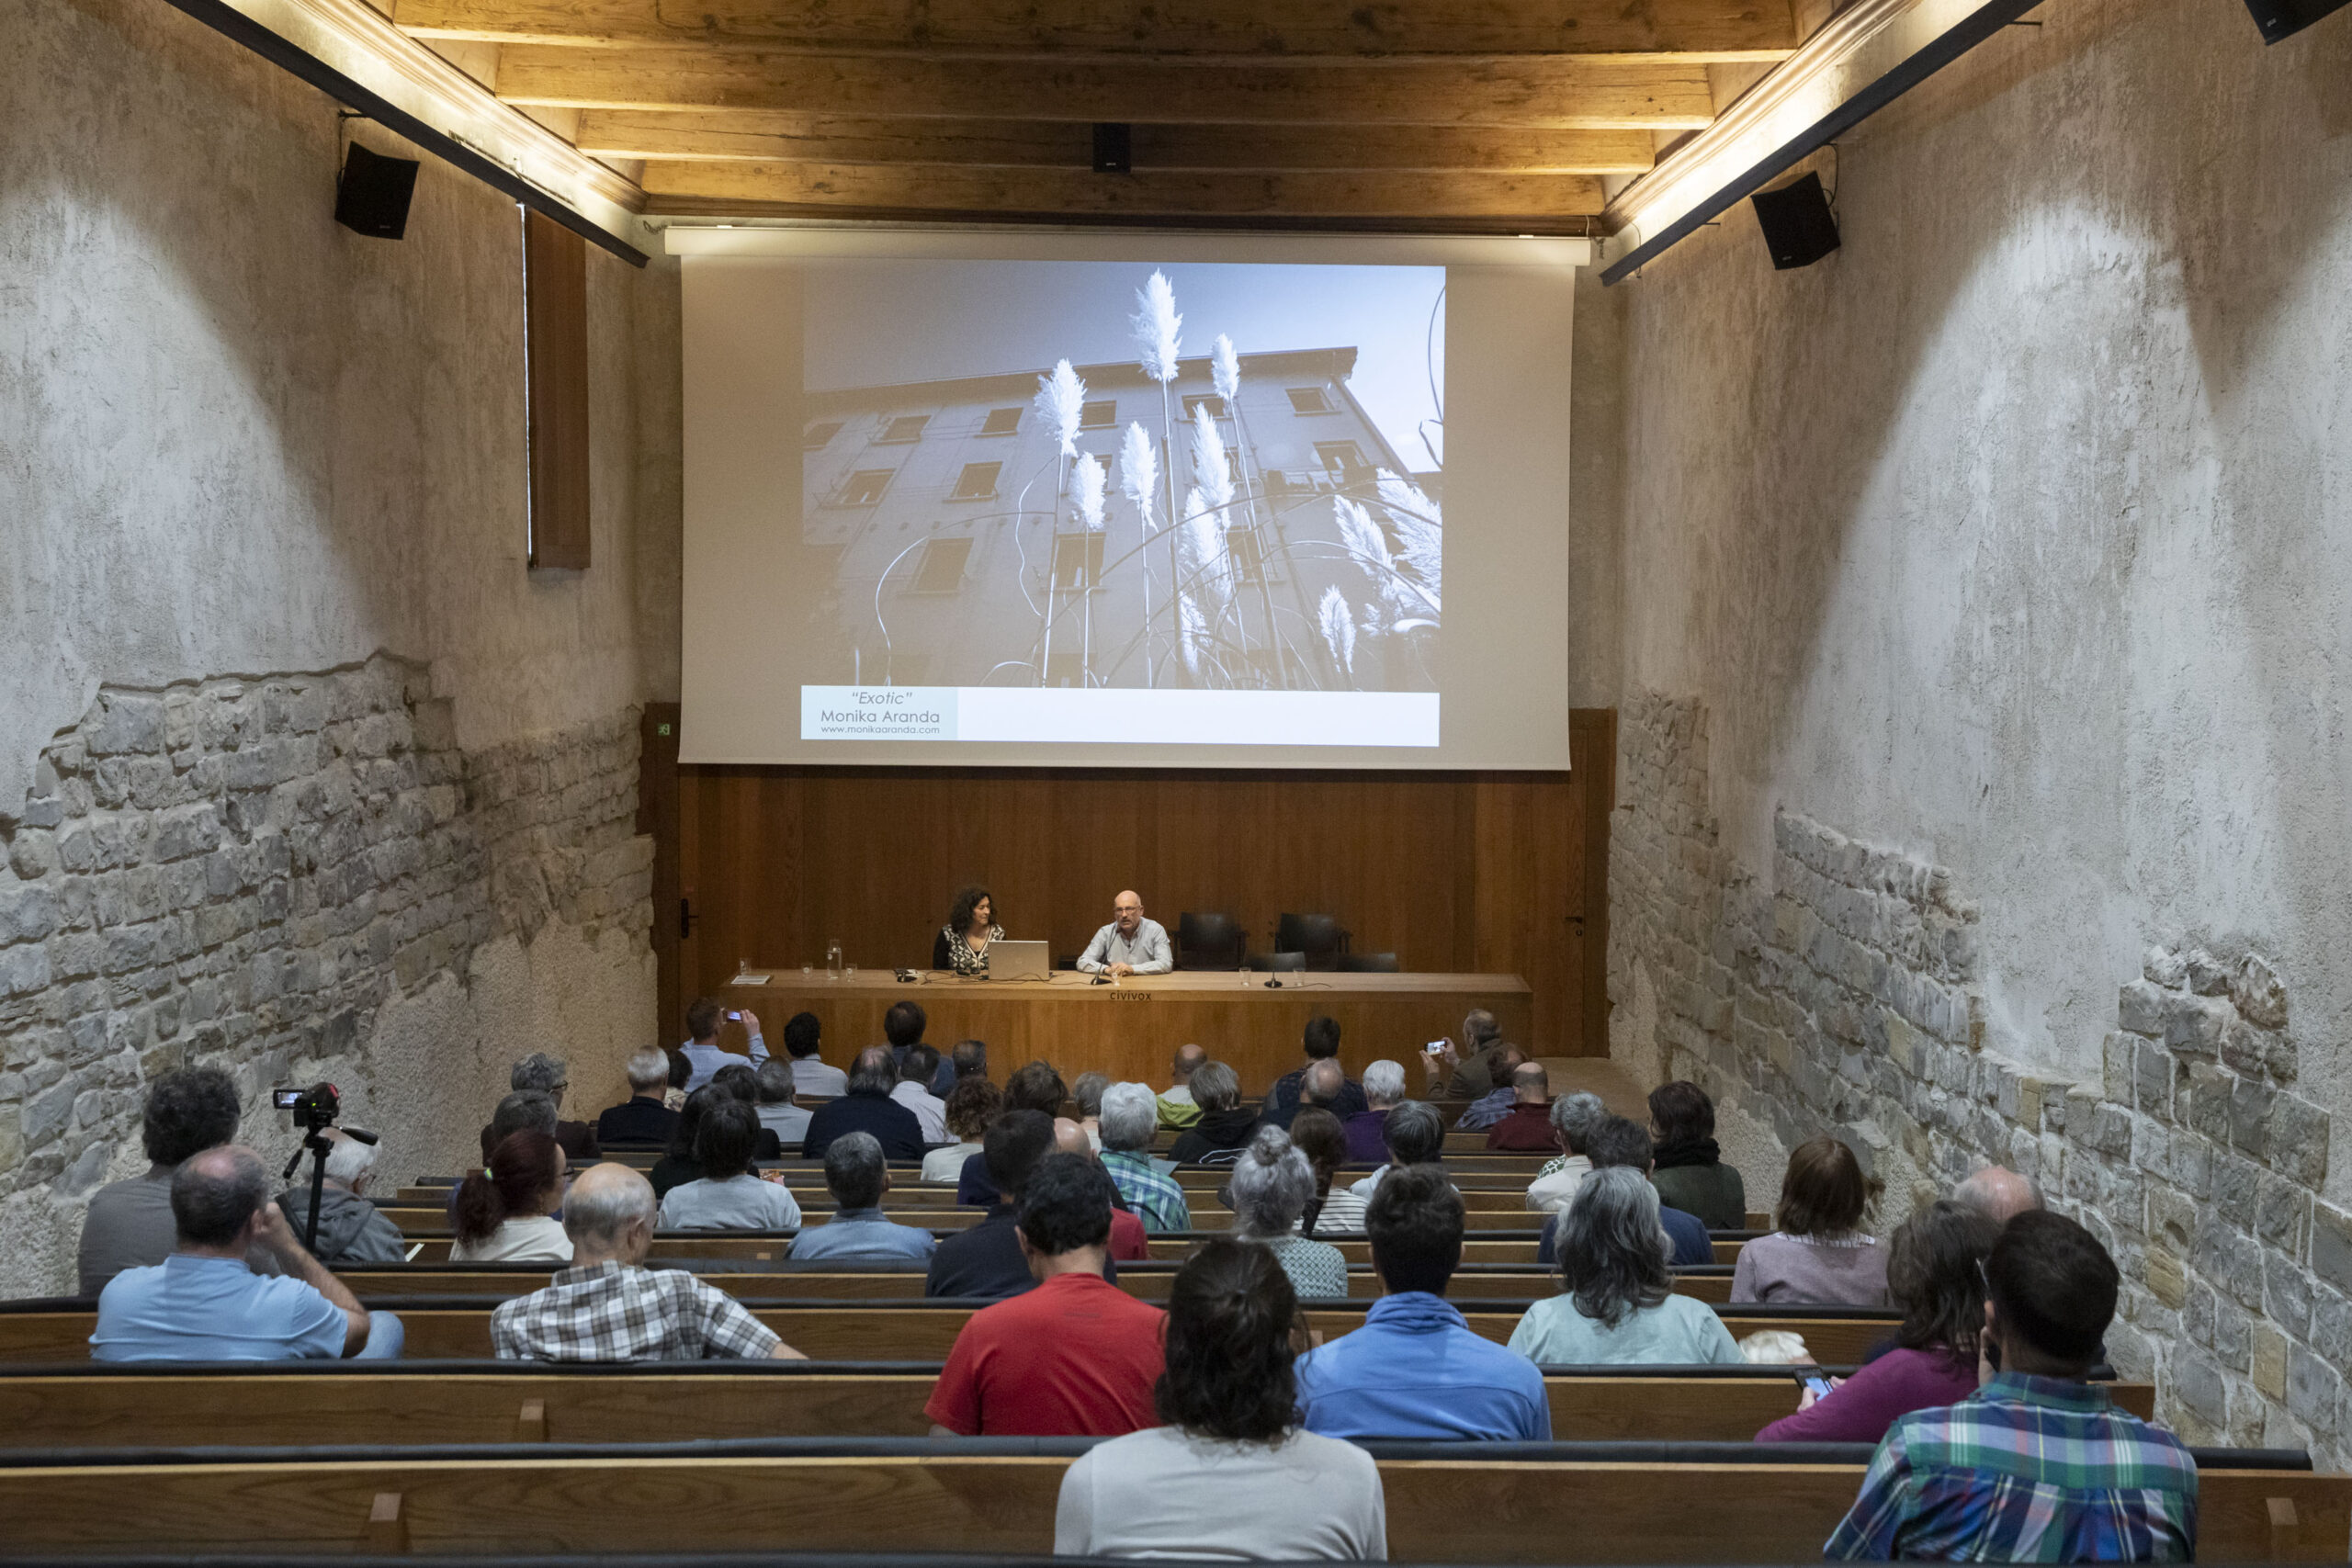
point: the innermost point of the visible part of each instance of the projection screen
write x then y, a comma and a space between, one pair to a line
1229, 501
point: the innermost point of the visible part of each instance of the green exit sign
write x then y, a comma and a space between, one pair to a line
660, 729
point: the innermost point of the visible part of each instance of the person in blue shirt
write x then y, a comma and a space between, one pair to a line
1415, 1369
703, 1053
1615, 1140
857, 1176
205, 1303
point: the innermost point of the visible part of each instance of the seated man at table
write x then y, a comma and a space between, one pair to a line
203, 1304
642, 1119
857, 1176
1321, 1042
1129, 944
867, 1108
1076, 1355
607, 1306
1526, 1127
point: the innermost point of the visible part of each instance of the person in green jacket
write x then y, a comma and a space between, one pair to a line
1690, 1174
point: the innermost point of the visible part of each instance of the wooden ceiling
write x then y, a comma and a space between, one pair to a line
1468, 115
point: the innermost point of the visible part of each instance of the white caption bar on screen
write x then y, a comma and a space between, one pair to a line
1053, 715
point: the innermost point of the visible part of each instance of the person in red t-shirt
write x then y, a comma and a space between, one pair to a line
1077, 1356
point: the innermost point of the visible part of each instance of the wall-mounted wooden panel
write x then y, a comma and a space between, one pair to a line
555, 279
1486, 872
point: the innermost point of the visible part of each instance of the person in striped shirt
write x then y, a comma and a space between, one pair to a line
2036, 1466
1130, 1116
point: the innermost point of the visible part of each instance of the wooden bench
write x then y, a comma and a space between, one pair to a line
416, 1224
1644, 1504
771, 1247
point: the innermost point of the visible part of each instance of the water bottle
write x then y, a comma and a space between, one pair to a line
833, 959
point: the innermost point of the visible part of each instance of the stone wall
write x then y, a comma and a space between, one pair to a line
261, 874
1845, 995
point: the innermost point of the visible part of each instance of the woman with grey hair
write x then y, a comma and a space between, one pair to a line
1573, 1118
1272, 1184
1225, 1125
1088, 1092
1620, 1306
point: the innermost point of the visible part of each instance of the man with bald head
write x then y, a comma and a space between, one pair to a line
607, 1306
1129, 1241
1178, 1109
1998, 1193
1129, 944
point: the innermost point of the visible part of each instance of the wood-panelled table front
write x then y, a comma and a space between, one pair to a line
1132, 1030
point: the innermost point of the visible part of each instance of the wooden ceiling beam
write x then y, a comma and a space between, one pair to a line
738, 189
795, 139
1701, 30
1554, 92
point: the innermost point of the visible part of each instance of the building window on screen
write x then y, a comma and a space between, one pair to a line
1104, 415
1065, 668
865, 488
941, 570
1308, 400
977, 482
1193, 401
904, 428
1077, 561
820, 436
1249, 557
1001, 422
1343, 461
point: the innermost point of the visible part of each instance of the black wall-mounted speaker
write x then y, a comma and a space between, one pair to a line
2284, 18
1799, 228
1114, 150
372, 196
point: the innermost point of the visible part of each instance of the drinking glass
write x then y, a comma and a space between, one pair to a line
848, 974
807, 973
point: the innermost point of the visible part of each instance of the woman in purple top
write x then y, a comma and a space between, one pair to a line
1820, 1254
1931, 1272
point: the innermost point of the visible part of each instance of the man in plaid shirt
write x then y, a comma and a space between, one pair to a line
1130, 1116
608, 1307
2036, 1466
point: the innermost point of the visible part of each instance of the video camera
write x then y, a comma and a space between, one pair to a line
315, 1108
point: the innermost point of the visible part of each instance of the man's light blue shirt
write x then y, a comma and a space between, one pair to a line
213, 1309
1146, 951
864, 1235
1415, 1369
706, 1058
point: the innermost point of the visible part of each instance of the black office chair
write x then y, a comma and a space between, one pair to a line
1208, 941
1368, 963
1278, 962
1317, 936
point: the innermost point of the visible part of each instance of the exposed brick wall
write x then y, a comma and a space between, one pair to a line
1848, 999
248, 872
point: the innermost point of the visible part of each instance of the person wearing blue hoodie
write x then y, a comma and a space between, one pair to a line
1415, 1369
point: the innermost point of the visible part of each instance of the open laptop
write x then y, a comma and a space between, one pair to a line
1019, 961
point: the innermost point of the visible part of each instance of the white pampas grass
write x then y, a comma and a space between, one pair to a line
1362, 538
1338, 628
1086, 492
1155, 325
1420, 544
1210, 469
1061, 397
1205, 562
1139, 468
1226, 368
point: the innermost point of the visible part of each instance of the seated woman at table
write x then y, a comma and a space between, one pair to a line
962, 943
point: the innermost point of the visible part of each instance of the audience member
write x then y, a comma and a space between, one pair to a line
504, 1212
607, 1306
1225, 1125
857, 1176
1228, 1474
1273, 1185
1415, 1136
986, 1259
902, 1026
1998, 1194
351, 1228
1086, 1093
703, 1052
803, 1033
1526, 1127
682, 1072
786, 1122
1415, 1369
729, 1194
1819, 1255
677, 1164
1336, 1211
1321, 1043
1034, 1085
972, 1104
1618, 1141
1383, 1090
1619, 1305
741, 1081
1502, 1063
1130, 1117
539, 1073
1574, 1116
1075, 1356
202, 1302
524, 1110
128, 1224
1129, 1241
642, 1119
2036, 1466
917, 1068
1688, 1171
1932, 1274
1463, 1071
1178, 1109
969, 1059
867, 1108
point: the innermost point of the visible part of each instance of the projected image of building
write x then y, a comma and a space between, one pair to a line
1270, 539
